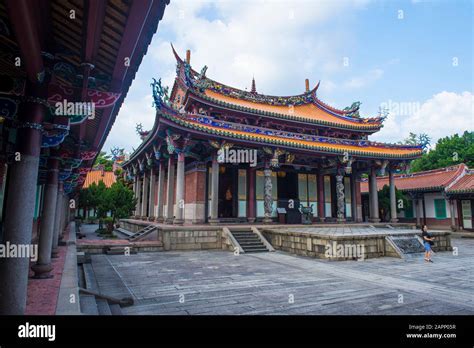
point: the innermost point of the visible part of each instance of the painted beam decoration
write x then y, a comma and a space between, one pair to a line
54, 136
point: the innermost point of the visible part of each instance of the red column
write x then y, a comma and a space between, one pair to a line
321, 197
251, 213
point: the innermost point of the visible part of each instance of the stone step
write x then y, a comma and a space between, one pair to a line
253, 240
124, 231
103, 306
89, 277
246, 237
251, 243
253, 247
143, 232
88, 305
261, 250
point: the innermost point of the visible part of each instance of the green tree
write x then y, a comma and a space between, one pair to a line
417, 139
448, 151
384, 202
104, 160
120, 201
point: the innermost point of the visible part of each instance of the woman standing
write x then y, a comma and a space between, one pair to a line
427, 242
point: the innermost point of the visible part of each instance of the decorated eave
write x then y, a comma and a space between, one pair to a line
92, 57
302, 108
207, 128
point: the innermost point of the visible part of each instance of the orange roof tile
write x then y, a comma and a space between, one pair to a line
305, 111
96, 176
464, 184
437, 178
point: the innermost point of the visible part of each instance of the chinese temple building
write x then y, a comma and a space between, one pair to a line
219, 154
66, 67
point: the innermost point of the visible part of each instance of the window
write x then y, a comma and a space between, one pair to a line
440, 208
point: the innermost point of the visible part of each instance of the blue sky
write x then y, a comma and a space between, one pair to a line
416, 57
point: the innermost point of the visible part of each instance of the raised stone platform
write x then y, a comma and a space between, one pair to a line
333, 241
347, 242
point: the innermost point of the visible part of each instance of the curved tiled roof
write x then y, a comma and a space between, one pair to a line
464, 185
437, 179
336, 146
305, 107
309, 112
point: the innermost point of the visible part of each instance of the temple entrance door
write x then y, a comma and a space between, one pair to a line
287, 188
228, 179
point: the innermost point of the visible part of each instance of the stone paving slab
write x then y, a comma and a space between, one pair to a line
219, 282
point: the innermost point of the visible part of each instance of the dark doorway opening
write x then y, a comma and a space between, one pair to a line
228, 192
287, 183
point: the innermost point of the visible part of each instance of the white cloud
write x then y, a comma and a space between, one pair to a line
446, 113
362, 81
131, 113
279, 42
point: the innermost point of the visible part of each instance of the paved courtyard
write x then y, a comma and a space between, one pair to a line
218, 282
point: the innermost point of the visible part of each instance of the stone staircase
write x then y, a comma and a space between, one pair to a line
248, 240
142, 233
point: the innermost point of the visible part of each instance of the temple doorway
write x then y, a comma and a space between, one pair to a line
287, 189
228, 177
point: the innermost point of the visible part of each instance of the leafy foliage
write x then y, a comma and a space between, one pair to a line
413, 139
384, 201
118, 200
448, 151
104, 160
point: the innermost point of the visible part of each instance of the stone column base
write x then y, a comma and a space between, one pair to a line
42, 271
340, 221
374, 220
251, 220
393, 221
267, 220
151, 218
169, 221
160, 219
